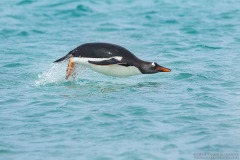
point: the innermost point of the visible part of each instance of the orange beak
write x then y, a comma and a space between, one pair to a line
162, 69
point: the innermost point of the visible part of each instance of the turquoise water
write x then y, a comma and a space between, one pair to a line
193, 109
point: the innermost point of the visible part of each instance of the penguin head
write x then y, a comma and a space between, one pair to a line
153, 67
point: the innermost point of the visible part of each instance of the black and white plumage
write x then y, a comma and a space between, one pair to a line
110, 59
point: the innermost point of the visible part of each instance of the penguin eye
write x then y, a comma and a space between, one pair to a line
153, 64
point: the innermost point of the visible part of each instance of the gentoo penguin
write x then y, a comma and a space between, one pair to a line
109, 59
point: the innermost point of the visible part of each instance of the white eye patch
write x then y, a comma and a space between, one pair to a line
153, 64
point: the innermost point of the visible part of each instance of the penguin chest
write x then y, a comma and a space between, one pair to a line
115, 70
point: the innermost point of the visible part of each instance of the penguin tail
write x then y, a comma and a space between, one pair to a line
64, 58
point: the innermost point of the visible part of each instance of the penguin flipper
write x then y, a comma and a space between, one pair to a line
108, 62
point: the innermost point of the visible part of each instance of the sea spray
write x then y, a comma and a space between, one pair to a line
55, 73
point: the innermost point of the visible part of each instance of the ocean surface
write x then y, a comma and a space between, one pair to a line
190, 113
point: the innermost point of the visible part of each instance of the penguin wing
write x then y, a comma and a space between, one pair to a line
108, 62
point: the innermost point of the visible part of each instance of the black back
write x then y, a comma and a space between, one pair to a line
104, 50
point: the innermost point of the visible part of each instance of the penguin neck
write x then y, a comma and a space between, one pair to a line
142, 65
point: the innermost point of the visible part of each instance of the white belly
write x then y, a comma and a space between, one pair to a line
111, 70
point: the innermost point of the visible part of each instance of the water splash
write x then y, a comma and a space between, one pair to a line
56, 73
